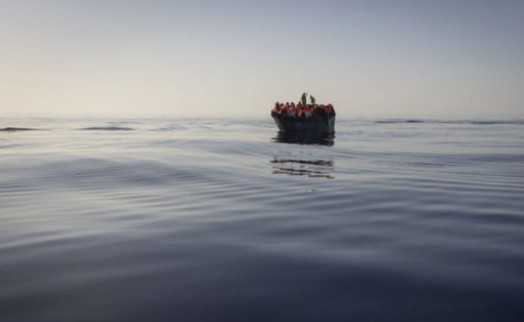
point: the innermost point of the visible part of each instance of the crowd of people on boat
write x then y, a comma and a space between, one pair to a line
303, 109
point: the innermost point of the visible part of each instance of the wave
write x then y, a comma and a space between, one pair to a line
495, 122
392, 217
471, 122
168, 128
107, 128
14, 129
399, 121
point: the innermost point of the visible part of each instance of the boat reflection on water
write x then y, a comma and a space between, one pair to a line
306, 137
311, 167
296, 167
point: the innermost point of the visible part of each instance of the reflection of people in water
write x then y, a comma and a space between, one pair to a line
310, 168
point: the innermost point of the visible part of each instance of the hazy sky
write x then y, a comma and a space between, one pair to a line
224, 57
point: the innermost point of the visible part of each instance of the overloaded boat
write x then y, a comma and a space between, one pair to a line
304, 117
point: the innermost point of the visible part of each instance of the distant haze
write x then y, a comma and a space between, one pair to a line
239, 57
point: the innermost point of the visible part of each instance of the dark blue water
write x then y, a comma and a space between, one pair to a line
217, 219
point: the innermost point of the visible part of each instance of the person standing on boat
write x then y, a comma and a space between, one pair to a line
313, 101
304, 98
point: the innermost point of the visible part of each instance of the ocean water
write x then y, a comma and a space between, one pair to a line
225, 219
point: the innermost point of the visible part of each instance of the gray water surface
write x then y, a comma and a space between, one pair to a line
225, 219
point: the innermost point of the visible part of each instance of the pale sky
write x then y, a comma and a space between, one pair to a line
441, 57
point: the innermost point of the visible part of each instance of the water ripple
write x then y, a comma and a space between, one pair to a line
108, 128
230, 220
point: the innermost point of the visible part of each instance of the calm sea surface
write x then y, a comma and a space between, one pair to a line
224, 219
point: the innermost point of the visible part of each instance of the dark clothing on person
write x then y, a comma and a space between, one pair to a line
304, 98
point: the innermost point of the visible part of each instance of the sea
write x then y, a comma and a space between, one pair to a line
166, 218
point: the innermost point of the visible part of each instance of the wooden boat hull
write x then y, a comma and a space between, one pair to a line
316, 123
